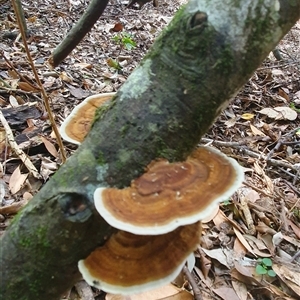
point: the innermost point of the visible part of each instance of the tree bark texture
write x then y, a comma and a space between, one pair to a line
194, 68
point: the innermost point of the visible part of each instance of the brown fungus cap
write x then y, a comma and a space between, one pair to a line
169, 195
129, 263
76, 126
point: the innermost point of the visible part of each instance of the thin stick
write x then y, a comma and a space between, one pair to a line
31, 168
43, 91
190, 278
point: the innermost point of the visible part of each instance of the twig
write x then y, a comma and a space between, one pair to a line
257, 189
31, 168
196, 290
296, 62
283, 216
19, 74
273, 162
247, 214
297, 254
43, 91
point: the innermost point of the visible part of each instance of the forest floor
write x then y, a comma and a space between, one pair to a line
250, 247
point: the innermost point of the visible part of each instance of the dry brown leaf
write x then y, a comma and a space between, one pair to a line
27, 87
290, 278
50, 147
243, 241
256, 131
223, 256
263, 228
205, 281
166, 292
267, 180
17, 180
237, 275
205, 264
13, 208
255, 242
78, 92
279, 113
27, 196
295, 228
226, 293
292, 240
219, 219
63, 76
240, 289
239, 249
283, 94
231, 122
83, 65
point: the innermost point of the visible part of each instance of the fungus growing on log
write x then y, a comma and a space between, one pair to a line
158, 220
76, 126
130, 264
169, 195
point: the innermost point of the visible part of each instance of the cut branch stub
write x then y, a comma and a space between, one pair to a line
129, 264
170, 195
76, 126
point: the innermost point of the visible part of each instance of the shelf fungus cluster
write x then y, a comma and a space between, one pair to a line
158, 220
76, 126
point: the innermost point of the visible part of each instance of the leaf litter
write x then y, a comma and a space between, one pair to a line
261, 129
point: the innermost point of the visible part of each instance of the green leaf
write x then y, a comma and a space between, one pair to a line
271, 273
267, 262
226, 202
260, 270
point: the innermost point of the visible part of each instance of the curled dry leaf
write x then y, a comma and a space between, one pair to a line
279, 113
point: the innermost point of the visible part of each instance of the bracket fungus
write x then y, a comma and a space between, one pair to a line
130, 264
76, 126
170, 195
158, 220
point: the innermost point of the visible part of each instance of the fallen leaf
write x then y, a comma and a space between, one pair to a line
50, 147
295, 228
279, 113
243, 241
166, 292
223, 256
240, 289
27, 87
83, 65
256, 131
247, 116
13, 101
289, 277
17, 180
226, 293
63, 76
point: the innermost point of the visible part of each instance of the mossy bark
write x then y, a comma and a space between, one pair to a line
193, 70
